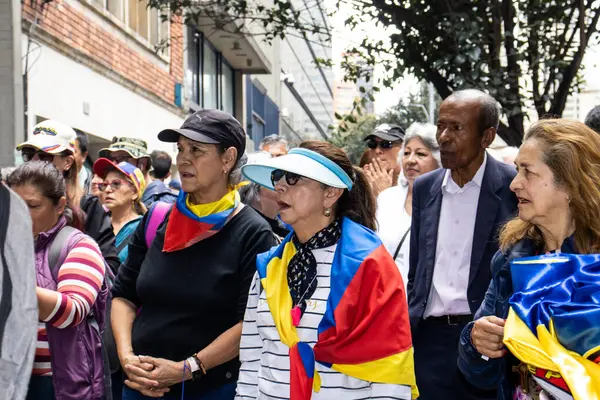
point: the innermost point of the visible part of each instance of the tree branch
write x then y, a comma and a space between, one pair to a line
562, 93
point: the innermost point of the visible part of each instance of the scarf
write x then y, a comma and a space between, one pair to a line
190, 223
302, 269
365, 331
553, 322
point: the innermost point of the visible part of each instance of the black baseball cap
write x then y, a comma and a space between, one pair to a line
211, 127
389, 132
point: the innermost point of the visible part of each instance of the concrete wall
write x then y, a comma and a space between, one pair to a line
11, 89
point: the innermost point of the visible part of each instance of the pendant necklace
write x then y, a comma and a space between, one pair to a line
296, 310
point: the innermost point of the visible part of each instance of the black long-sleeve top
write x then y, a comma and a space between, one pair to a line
190, 297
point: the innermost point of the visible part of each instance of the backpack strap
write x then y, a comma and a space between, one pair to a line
156, 216
56, 248
7, 286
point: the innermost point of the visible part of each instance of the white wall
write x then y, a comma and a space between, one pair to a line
59, 87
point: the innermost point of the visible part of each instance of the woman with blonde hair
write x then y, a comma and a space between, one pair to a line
558, 188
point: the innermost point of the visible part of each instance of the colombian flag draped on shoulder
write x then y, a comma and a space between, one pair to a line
365, 331
554, 320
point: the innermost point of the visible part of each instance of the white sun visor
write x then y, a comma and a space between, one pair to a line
304, 162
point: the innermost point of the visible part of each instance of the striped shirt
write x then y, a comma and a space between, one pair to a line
80, 279
265, 369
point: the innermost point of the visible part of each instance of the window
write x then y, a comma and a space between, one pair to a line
227, 85
150, 23
209, 79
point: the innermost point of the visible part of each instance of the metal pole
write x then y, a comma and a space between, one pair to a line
430, 90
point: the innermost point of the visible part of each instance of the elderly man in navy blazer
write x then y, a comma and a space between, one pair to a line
457, 212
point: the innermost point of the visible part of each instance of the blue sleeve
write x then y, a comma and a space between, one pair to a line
413, 256
478, 372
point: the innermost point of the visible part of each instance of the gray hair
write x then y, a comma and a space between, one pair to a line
427, 134
273, 139
489, 112
250, 193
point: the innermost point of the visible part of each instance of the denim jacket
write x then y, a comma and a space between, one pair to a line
494, 374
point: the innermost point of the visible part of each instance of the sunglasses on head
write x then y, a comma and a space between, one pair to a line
384, 144
115, 184
290, 177
30, 154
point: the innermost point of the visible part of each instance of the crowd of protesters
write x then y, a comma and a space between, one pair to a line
434, 269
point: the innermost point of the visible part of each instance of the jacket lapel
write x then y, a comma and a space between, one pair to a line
431, 222
487, 209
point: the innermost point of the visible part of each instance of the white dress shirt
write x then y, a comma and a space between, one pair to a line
448, 295
265, 369
393, 222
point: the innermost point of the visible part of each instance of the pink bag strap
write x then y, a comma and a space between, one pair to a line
157, 215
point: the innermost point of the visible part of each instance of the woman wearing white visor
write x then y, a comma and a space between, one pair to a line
326, 315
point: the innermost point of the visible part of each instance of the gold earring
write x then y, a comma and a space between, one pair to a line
327, 212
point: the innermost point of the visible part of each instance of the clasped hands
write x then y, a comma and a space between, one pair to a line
151, 376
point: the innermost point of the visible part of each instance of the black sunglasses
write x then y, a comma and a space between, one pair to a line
29, 155
384, 144
290, 177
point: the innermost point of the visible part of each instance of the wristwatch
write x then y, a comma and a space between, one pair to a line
198, 370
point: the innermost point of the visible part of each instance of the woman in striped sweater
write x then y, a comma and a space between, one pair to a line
71, 293
326, 316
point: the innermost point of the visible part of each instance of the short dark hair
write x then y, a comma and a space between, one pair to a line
83, 141
161, 164
489, 111
593, 119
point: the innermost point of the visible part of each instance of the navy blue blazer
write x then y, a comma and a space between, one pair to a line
497, 204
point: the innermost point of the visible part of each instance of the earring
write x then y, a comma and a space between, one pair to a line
327, 212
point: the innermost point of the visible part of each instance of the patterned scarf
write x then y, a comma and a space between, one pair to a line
302, 270
190, 223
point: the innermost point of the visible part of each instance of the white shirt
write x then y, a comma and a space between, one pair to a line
392, 223
448, 295
265, 369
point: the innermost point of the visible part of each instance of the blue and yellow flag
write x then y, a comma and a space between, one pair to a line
554, 320
365, 331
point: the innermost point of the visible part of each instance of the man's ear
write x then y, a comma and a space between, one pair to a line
488, 137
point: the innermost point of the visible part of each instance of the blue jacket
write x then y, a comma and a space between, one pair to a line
493, 374
497, 204
157, 191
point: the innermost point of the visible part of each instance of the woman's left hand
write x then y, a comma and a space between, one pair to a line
166, 372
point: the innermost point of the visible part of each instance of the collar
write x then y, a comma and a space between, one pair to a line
449, 186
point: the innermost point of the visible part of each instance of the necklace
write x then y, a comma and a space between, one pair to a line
296, 310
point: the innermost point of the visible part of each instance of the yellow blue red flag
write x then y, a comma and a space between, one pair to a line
554, 321
365, 331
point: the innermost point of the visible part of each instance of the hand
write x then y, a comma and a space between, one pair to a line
487, 335
165, 372
378, 177
138, 374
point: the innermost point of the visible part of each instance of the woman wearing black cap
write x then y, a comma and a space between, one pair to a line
191, 284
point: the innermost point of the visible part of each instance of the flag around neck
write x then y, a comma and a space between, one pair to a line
364, 333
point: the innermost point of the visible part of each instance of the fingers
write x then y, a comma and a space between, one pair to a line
150, 392
492, 353
491, 325
140, 376
495, 320
487, 336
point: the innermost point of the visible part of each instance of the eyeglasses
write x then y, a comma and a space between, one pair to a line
30, 154
290, 177
384, 144
114, 185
